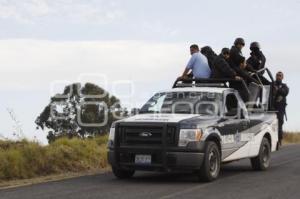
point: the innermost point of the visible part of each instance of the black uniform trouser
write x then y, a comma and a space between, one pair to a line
280, 117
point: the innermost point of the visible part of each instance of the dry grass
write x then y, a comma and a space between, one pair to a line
25, 159
291, 138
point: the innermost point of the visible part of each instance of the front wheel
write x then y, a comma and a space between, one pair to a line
262, 161
210, 168
122, 174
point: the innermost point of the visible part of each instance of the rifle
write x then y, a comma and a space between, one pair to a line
285, 115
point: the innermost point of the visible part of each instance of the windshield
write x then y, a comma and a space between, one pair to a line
203, 103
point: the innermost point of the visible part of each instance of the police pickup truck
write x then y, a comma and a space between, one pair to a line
196, 126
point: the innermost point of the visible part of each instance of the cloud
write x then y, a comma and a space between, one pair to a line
159, 28
36, 63
73, 11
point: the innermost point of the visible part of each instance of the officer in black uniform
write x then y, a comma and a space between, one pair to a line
280, 93
236, 52
257, 60
242, 71
225, 53
218, 64
238, 63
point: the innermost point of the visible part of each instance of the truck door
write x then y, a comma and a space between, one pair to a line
234, 127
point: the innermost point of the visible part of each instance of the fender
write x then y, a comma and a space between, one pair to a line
216, 137
211, 133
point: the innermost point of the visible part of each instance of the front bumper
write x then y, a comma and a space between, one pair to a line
170, 161
163, 147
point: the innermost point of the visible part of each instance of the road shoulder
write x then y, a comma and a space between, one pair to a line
49, 178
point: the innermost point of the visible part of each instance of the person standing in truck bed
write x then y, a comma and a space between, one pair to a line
257, 60
198, 65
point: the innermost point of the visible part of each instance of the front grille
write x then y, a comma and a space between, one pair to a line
144, 135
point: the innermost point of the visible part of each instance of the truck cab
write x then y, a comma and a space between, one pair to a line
195, 126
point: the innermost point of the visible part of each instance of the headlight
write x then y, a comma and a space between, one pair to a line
111, 134
188, 135
111, 137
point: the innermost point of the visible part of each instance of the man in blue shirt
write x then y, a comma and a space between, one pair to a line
197, 65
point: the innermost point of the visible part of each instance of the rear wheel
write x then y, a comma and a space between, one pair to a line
210, 168
122, 174
262, 161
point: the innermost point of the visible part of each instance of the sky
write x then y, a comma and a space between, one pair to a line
132, 48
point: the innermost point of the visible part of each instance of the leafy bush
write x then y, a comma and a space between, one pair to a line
61, 115
25, 159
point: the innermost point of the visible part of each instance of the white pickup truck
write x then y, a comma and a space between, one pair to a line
196, 126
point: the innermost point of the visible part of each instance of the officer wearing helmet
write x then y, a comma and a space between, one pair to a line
257, 60
236, 54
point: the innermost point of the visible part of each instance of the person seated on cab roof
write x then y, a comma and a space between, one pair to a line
197, 66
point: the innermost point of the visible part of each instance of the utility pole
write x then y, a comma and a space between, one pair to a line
17, 127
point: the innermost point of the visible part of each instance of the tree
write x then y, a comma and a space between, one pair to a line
80, 112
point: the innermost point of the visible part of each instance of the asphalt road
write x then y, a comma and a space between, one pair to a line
237, 180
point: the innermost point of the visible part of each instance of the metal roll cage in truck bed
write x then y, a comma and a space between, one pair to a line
244, 90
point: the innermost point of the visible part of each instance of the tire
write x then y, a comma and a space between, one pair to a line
122, 174
211, 165
262, 161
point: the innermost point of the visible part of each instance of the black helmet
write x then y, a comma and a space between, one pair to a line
254, 45
225, 51
239, 41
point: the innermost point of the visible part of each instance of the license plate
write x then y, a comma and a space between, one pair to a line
143, 159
